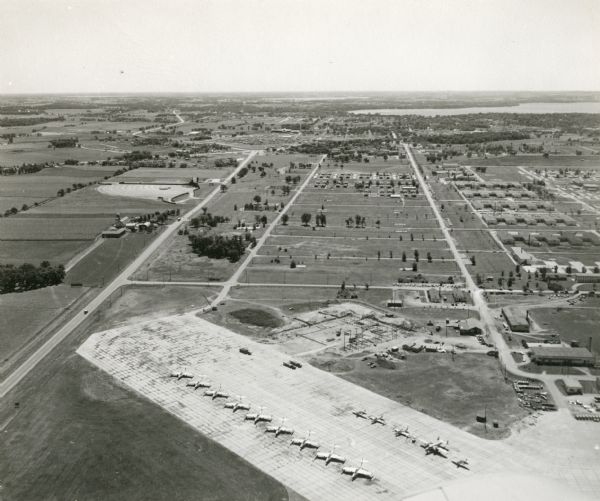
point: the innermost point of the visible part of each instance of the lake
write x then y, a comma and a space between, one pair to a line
582, 107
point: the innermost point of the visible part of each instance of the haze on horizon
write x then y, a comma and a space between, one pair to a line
115, 46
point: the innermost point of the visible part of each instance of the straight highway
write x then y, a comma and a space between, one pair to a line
122, 279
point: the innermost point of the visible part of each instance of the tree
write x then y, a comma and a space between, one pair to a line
263, 221
403, 257
473, 260
429, 258
284, 219
293, 264
416, 255
414, 266
257, 199
305, 218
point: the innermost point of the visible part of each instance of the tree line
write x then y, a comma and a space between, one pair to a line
219, 246
29, 277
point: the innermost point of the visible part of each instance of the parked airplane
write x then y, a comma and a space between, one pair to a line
330, 457
399, 432
461, 463
201, 383
439, 448
360, 414
377, 420
234, 406
358, 472
262, 418
216, 394
181, 374
279, 430
305, 442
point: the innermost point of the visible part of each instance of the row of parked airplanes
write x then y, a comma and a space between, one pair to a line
260, 417
438, 448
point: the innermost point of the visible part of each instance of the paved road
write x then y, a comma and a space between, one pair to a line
486, 315
13, 379
234, 279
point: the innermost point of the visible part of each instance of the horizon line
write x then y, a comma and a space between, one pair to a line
287, 92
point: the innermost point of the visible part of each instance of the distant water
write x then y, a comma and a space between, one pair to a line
584, 107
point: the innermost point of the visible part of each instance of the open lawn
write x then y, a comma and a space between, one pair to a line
455, 391
353, 271
572, 323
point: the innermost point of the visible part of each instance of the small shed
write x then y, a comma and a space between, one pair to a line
572, 386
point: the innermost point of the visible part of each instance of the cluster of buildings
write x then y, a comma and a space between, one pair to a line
391, 185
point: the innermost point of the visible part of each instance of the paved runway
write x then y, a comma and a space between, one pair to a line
143, 355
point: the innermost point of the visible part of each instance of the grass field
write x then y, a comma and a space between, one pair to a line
35, 251
85, 437
455, 391
37, 151
79, 435
258, 317
23, 314
105, 262
89, 202
353, 271
572, 323
49, 228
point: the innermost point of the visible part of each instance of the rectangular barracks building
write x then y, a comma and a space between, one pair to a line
562, 355
516, 318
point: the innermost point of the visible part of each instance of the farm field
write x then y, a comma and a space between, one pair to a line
28, 189
105, 262
160, 175
38, 152
24, 314
49, 228
89, 202
35, 251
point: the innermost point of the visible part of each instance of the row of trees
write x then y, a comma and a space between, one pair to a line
207, 219
218, 246
23, 169
29, 277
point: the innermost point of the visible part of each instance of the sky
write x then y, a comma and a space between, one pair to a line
60, 46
